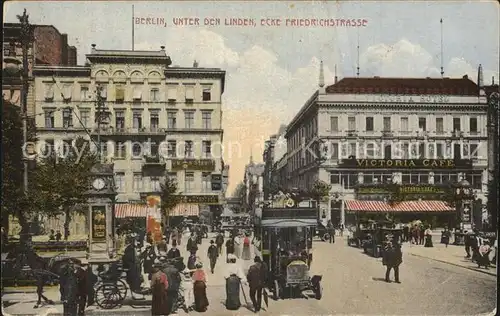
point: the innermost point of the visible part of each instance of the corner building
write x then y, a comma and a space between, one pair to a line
163, 121
361, 132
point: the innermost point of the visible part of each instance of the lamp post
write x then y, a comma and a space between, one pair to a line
493, 155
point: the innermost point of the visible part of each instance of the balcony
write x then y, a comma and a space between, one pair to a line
194, 130
146, 131
351, 133
387, 133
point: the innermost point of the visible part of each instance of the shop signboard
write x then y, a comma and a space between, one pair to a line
199, 199
407, 163
193, 164
99, 223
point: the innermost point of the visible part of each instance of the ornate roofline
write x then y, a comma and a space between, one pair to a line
62, 71
409, 106
191, 72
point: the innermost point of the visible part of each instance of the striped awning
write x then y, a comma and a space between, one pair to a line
404, 206
185, 209
131, 210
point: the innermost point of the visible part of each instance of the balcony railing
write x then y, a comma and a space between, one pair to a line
110, 130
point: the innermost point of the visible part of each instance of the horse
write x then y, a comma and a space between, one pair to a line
42, 269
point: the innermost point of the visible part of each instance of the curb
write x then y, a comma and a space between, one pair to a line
456, 265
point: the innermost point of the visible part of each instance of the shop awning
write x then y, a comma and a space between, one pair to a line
131, 210
185, 209
275, 222
405, 206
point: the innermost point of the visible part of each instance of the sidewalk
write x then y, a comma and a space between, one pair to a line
454, 255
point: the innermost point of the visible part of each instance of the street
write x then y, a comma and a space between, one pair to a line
352, 284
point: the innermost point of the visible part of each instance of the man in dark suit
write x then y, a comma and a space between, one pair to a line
256, 277
392, 258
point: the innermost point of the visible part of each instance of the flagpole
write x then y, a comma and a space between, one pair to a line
133, 27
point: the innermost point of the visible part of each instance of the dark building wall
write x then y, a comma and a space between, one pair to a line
72, 56
48, 45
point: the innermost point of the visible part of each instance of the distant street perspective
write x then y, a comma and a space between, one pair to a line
169, 158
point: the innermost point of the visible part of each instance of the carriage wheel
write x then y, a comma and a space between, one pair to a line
110, 295
326, 237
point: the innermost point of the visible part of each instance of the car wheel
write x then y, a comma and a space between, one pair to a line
326, 237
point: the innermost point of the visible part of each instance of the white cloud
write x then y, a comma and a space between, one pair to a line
406, 59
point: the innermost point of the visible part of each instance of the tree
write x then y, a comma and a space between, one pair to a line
169, 198
320, 190
61, 181
12, 164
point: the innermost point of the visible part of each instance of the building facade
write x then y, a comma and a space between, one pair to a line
163, 121
274, 151
398, 130
254, 184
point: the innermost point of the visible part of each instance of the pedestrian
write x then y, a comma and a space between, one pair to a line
173, 252
167, 233
132, 262
192, 244
58, 235
405, 232
475, 244
174, 283
234, 278
245, 254
191, 263
428, 237
83, 285
392, 258
52, 236
495, 249
341, 230
483, 257
331, 232
467, 244
421, 237
200, 289
229, 248
68, 283
149, 255
219, 241
212, 254
162, 247
445, 237
256, 281
159, 287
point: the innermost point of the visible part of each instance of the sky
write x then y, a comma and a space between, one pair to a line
273, 70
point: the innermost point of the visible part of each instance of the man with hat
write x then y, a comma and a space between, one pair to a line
132, 262
229, 248
213, 253
173, 252
256, 276
68, 283
392, 257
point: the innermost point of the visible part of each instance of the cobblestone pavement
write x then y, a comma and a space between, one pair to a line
352, 284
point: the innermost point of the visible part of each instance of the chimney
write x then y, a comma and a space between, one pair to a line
195, 64
93, 48
162, 48
465, 77
321, 80
480, 76
492, 80
336, 79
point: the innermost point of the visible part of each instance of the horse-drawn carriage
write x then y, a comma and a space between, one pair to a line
286, 247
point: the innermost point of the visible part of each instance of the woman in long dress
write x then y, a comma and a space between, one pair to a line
428, 237
159, 286
234, 277
245, 253
200, 289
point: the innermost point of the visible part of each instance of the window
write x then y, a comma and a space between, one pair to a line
422, 124
154, 95
473, 151
189, 181
104, 91
206, 182
120, 181
172, 94
171, 119
387, 124
369, 124
172, 176
351, 123
49, 92
439, 125
206, 119
67, 92
154, 121
136, 150
137, 120
456, 151
475, 180
352, 149
439, 151
119, 94
67, 118
137, 182
334, 123
49, 118
405, 151
172, 149
189, 119
421, 150
335, 178
207, 149
456, 124
207, 94
153, 149
49, 147
188, 149
120, 150
404, 124
335, 151
104, 150
349, 179
155, 184
370, 150
473, 125
445, 178
368, 178
137, 96
406, 178
120, 120
189, 94
84, 93
388, 152
85, 118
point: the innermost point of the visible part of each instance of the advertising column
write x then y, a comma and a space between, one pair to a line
153, 220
